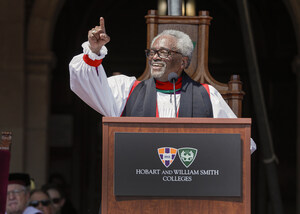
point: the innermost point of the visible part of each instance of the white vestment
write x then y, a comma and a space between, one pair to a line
108, 96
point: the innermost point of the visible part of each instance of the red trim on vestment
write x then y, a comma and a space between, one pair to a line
131, 90
207, 88
167, 85
133, 87
90, 62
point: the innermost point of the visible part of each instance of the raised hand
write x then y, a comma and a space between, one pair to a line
97, 37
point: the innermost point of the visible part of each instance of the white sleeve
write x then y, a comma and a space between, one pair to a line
92, 86
222, 110
31, 210
120, 86
219, 105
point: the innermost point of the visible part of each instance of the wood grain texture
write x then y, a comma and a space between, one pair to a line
174, 205
197, 27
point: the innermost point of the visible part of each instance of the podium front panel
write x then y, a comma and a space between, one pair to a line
177, 164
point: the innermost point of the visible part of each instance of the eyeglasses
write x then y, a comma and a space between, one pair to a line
56, 200
162, 53
15, 191
36, 203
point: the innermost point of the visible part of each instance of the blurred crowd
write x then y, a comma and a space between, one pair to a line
24, 198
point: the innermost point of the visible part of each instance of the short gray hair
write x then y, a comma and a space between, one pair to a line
184, 43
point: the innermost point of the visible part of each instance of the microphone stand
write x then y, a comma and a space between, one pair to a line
174, 90
172, 77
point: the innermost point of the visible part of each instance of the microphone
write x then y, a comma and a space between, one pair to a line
172, 77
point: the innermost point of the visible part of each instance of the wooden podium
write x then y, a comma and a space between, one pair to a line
112, 204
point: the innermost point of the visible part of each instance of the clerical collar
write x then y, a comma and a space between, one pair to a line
167, 87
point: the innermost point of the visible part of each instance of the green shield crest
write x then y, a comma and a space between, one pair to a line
187, 155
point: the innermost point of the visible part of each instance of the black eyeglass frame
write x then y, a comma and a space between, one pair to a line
15, 191
36, 203
147, 52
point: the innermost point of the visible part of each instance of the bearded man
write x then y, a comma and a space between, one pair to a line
170, 52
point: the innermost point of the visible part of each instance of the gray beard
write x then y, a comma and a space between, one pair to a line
157, 75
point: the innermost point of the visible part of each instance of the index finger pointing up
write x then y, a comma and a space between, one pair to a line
102, 25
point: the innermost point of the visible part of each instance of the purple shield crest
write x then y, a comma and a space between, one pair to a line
167, 155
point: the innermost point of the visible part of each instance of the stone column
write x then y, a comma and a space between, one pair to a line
38, 67
12, 78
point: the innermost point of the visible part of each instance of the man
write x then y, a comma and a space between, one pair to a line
170, 52
18, 195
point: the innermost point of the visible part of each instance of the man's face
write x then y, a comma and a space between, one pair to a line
17, 198
161, 67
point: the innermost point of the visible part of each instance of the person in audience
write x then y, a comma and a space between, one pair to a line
41, 201
59, 181
18, 190
56, 196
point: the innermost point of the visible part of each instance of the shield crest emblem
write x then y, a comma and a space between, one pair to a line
187, 155
167, 155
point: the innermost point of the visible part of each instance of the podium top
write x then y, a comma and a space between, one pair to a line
240, 121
